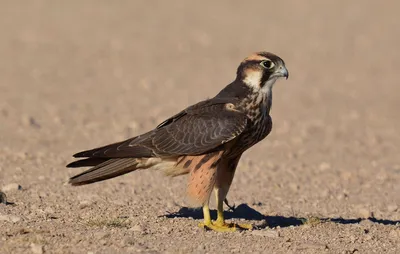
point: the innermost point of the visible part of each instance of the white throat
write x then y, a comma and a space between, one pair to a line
267, 87
263, 93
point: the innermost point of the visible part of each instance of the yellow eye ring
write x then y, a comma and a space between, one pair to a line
268, 64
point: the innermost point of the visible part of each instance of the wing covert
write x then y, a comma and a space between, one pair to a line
196, 130
199, 131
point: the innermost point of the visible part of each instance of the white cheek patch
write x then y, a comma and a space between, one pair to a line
253, 79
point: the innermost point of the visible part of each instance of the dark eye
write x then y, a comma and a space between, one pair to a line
268, 64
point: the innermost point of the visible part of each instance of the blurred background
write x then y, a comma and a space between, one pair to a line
68, 66
80, 74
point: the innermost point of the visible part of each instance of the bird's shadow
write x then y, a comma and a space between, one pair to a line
243, 211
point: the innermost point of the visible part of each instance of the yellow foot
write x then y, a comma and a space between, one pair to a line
225, 227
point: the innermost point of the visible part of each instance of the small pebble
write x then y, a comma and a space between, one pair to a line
127, 241
392, 208
324, 166
118, 202
294, 186
85, 203
36, 248
394, 234
101, 235
366, 223
11, 187
4, 218
364, 213
10, 218
346, 175
49, 210
14, 218
136, 228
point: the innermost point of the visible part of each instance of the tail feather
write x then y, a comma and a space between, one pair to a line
89, 162
105, 170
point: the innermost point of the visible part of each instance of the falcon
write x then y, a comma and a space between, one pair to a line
205, 140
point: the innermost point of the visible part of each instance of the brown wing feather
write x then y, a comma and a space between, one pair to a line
117, 150
200, 132
199, 129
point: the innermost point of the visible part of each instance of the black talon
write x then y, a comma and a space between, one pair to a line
231, 208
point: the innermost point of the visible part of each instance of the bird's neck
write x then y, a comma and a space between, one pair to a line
236, 89
248, 96
262, 100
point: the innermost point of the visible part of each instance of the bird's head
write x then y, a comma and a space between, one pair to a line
260, 71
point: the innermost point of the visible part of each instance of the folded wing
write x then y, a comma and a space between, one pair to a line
199, 129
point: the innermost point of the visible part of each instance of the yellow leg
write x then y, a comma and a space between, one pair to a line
206, 214
220, 211
216, 226
221, 218
225, 174
220, 225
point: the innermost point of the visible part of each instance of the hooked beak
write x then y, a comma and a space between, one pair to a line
282, 72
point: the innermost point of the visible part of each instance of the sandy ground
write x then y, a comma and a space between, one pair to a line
80, 74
